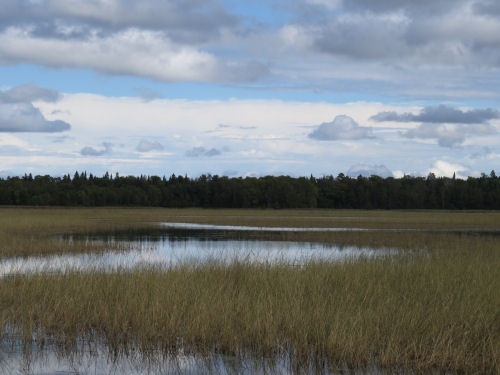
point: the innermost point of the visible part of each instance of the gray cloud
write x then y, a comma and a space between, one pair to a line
362, 37
147, 94
158, 39
29, 93
448, 135
243, 71
410, 6
406, 33
441, 114
189, 21
17, 113
206, 41
342, 127
368, 170
197, 152
91, 151
135, 52
447, 125
147, 146
24, 117
487, 7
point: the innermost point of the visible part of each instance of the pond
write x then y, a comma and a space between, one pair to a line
174, 244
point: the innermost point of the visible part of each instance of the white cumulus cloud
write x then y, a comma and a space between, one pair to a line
442, 168
342, 127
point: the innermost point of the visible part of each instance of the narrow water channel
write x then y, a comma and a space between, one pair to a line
175, 244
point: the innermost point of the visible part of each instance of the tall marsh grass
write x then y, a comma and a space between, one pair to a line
438, 311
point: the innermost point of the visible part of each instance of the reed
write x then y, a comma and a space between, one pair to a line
421, 311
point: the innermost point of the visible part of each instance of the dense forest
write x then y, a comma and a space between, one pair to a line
373, 192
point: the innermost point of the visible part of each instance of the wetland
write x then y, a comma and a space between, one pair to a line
249, 291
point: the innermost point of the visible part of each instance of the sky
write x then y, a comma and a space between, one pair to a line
250, 87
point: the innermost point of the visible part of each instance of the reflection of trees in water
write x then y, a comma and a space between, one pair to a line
84, 357
164, 234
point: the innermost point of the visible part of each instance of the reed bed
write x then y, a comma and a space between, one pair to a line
433, 311
434, 307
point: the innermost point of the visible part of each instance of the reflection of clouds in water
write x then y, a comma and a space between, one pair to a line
262, 229
168, 253
99, 361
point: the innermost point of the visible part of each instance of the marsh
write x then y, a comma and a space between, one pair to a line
431, 305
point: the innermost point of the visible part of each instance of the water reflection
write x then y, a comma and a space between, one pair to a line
266, 229
269, 230
100, 361
169, 247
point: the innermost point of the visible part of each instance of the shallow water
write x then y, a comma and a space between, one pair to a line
266, 229
99, 361
176, 244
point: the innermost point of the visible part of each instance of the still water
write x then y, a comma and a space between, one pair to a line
100, 362
175, 244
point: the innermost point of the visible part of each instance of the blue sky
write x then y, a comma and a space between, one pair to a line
250, 87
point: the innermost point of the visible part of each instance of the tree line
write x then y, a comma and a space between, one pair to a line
372, 192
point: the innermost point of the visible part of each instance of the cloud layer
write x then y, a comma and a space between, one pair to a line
441, 114
318, 43
159, 39
147, 146
188, 21
447, 125
197, 152
448, 135
91, 151
265, 137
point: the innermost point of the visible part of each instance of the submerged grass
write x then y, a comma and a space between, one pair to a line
431, 310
